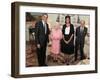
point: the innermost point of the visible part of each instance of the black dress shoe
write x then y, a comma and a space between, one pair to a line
45, 65
54, 60
67, 63
75, 59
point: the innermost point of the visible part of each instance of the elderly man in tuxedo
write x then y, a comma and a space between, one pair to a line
42, 38
81, 32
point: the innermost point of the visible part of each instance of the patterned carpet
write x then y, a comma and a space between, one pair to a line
31, 57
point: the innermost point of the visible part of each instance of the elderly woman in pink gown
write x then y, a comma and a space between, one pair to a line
56, 36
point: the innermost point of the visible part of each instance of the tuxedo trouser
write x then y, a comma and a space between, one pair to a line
41, 54
80, 47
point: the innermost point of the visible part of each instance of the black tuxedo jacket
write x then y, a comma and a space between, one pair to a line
80, 38
41, 37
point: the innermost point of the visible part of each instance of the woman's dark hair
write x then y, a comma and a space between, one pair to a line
67, 17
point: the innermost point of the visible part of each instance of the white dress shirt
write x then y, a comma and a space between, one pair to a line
67, 30
45, 26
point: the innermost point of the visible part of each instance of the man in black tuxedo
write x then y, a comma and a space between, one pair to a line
81, 32
42, 38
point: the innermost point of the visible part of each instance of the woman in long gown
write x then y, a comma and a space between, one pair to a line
67, 43
56, 36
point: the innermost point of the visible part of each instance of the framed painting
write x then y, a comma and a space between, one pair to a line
53, 39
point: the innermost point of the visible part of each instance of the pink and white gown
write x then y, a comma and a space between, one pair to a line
56, 36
